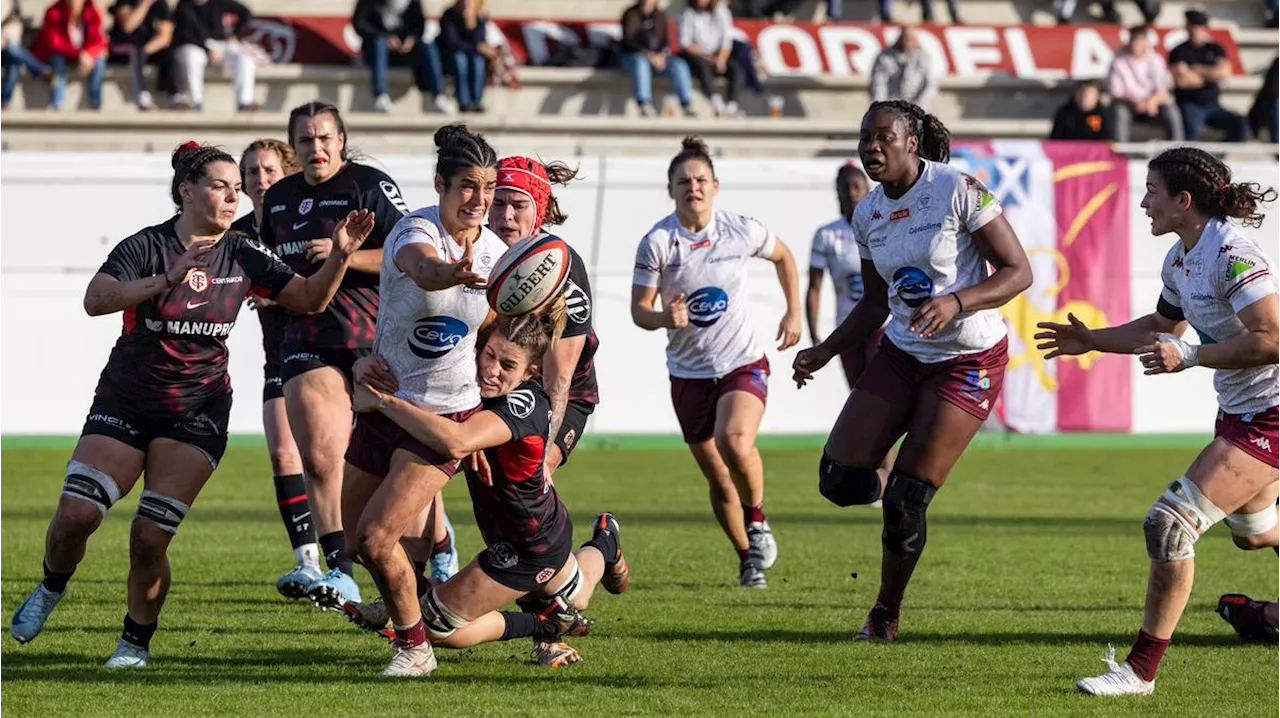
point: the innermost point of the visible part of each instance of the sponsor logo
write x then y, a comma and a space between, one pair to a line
334, 202
303, 357
931, 227
855, 287
1261, 442
1238, 266
154, 325
1224, 249
900, 214
274, 381
527, 283
521, 402
700, 245
226, 280
707, 305
503, 555
1177, 262
486, 260
986, 404
277, 208
304, 206
392, 193
1202, 297
198, 280
1194, 267
570, 436
984, 195
912, 286
925, 201
577, 302
199, 329
288, 249
433, 337
196, 305
113, 421
976, 384
724, 258
299, 225
200, 425
544, 575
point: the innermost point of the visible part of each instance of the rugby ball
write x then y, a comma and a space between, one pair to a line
531, 272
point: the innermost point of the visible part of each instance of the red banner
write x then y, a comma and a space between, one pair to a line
801, 49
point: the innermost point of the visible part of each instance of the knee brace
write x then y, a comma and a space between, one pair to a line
89, 484
557, 604
1176, 521
843, 486
1246, 525
905, 500
439, 619
161, 510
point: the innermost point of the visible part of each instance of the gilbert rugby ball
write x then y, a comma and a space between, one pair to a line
528, 274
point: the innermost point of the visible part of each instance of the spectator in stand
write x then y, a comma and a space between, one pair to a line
395, 28
201, 38
646, 49
905, 71
1083, 117
926, 10
142, 35
15, 54
1150, 9
72, 33
468, 56
1265, 112
1139, 87
1198, 65
705, 36
782, 10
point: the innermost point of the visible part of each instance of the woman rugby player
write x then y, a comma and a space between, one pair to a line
834, 251
525, 526
696, 259
263, 163
1220, 283
164, 399
926, 235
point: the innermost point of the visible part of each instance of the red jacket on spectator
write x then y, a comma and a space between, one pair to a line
55, 32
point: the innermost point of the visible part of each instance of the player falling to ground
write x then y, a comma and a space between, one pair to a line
318, 350
524, 206
1254, 621
696, 259
263, 163
163, 401
1221, 284
525, 526
926, 236
433, 307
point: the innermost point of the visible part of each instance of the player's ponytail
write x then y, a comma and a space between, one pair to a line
561, 174
1207, 180
691, 148
189, 162
933, 137
458, 148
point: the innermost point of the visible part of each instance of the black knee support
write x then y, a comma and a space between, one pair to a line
905, 500
843, 486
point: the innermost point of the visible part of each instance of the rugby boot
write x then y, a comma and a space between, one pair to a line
333, 590
1120, 680
29, 619
128, 655
617, 576
762, 550
1248, 617
881, 625
298, 581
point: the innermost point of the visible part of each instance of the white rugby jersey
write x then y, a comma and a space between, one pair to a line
1224, 273
922, 246
835, 251
429, 338
710, 268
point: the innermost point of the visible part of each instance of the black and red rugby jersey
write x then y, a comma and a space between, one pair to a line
578, 300
272, 318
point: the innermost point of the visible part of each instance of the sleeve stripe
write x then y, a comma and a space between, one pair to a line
1247, 280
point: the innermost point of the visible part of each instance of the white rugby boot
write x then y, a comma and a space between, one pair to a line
1119, 681
411, 661
128, 655
762, 550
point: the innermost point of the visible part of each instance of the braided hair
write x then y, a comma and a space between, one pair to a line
933, 136
692, 147
190, 163
458, 148
1207, 180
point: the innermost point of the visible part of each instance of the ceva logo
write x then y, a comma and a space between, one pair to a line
912, 286
707, 305
433, 337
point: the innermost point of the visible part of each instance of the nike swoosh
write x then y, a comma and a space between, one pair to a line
196, 305
297, 227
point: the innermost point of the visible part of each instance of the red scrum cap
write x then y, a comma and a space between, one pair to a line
528, 177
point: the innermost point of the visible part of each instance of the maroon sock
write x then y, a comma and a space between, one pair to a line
442, 546
892, 605
753, 514
414, 635
743, 553
1145, 655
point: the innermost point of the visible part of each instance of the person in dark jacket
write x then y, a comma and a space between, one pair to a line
393, 29
1083, 117
141, 36
201, 38
466, 54
646, 50
1265, 112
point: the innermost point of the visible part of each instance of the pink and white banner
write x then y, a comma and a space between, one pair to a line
1068, 203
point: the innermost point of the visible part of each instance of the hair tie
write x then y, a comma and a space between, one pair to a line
189, 145
1224, 188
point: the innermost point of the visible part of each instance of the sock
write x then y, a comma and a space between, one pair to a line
138, 634
753, 514
334, 546
307, 555
1146, 654
56, 582
414, 635
891, 605
607, 544
525, 625
295, 509
743, 554
420, 573
441, 546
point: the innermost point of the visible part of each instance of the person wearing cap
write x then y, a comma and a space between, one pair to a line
1199, 65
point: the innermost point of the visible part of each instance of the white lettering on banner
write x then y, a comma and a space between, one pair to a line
771, 40
973, 49
1090, 55
850, 50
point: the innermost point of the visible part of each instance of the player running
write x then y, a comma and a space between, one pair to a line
164, 399
523, 206
926, 235
1221, 284
696, 258
262, 164
526, 528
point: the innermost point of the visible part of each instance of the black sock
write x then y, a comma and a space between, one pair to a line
607, 544
138, 634
525, 625
295, 509
56, 582
334, 547
420, 573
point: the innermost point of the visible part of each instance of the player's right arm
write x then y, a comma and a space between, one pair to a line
645, 282
455, 440
127, 278
415, 243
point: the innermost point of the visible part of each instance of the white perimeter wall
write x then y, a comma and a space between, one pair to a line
60, 213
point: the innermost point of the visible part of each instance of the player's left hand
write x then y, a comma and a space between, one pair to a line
350, 233
934, 315
255, 302
788, 330
1169, 355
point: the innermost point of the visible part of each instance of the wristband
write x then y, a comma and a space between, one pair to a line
957, 296
1188, 354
